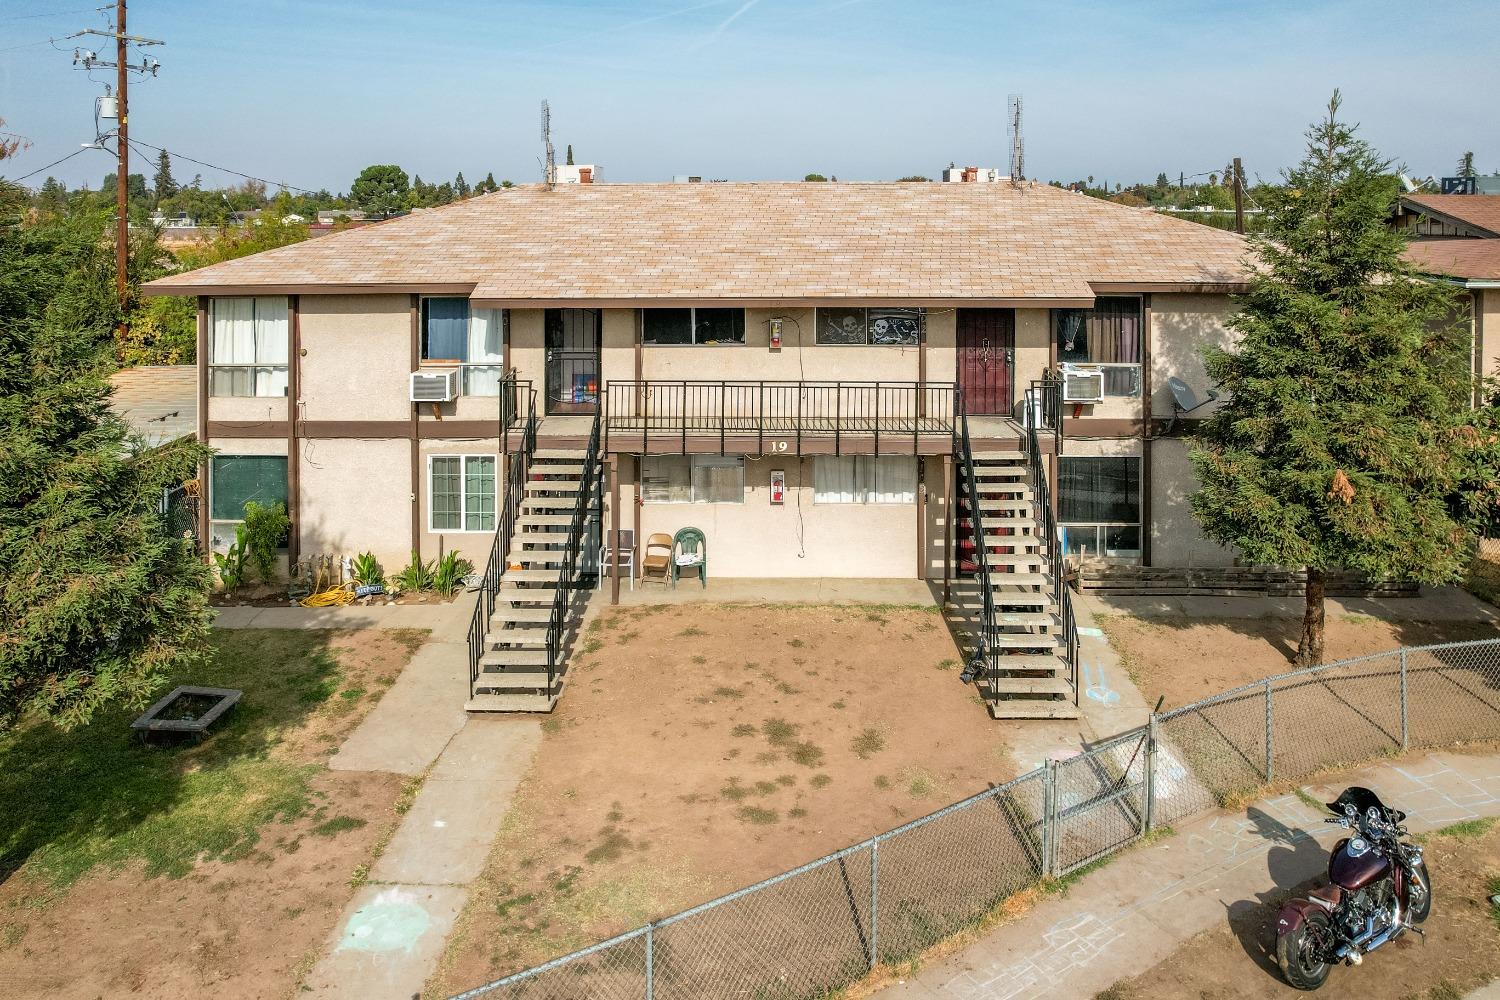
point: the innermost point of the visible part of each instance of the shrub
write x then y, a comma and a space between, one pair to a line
265, 529
450, 573
415, 575
366, 570
231, 562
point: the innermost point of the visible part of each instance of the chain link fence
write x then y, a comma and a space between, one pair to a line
823, 926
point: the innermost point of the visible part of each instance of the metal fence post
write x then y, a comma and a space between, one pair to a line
1049, 817
1270, 737
1150, 775
1405, 728
874, 902
650, 966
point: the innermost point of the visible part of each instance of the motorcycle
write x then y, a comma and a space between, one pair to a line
1378, 889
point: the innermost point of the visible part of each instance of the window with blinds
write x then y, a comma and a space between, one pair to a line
235, 480
692, 479
865, 479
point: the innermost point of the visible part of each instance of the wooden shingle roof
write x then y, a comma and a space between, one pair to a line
750, 242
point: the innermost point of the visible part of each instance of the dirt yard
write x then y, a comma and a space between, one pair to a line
1460, 952
700, 748
1191, 658
212, 869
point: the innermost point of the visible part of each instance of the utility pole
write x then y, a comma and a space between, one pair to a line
1239, 197
89, 60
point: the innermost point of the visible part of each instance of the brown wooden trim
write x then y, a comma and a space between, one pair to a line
1148, 331
872, 301
293, 460
634, 443
635, 462
614, 527
1184, 287
639, 326
950, 508
921, 519
167, 286
253, 429
202, 356
414, 429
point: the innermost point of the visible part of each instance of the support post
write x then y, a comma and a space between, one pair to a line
1239, 197
650, 965
874, 903
1270, 736
921, 518
1405, 727
1150, 820
614, 529
1049, 817
950, 527
122, 170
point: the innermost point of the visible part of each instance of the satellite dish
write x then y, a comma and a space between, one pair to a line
1184, 399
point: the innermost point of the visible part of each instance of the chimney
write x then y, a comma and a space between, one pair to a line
585, 175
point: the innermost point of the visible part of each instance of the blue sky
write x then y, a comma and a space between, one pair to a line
311, 91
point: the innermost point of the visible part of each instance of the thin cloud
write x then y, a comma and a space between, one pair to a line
724, 24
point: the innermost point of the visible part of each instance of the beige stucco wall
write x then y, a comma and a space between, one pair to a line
755, 539
1181, 327
1487, 328
1176, 539
356, 497
1033, 350
472, 545
358, 357
248, 409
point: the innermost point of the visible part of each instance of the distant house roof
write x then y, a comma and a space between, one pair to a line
782, 243
1478, 212
1474, 260
160, 402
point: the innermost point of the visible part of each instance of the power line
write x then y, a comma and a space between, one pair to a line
54, 163
55, 13
214, 166
27, 45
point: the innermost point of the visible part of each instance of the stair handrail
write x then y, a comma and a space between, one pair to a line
988, 629
517, 466
568, 571
1043, 410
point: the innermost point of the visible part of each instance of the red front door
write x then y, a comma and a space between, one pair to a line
986, 351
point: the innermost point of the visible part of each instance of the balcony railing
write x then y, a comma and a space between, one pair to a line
741, 415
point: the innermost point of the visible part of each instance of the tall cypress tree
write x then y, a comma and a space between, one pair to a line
1347, 440
99, 601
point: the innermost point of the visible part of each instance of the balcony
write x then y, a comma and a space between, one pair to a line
656, 416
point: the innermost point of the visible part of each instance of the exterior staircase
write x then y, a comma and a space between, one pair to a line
1010, 600
529, 612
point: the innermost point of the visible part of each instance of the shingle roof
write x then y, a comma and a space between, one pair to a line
1472, 259
752, 241
1479, 211
160, 402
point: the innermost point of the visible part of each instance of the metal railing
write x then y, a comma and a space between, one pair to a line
769, 411
1044, 401
989, 645
824, 925
517, 466
584, 519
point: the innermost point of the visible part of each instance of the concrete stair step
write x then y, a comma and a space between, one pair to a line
999, 580
1032, 662
1014, 558
516, 637
528, 576
535, 557
1032, 708
1001, 471
1022, 641
558, 454
539, 503
1022, 493
553, 485
499, 658
1030, 685
544, 520
572, 469
1028, 619
543, 537
528, 614
483, 702
1004, 457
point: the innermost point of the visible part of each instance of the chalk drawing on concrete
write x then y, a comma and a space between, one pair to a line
392, 921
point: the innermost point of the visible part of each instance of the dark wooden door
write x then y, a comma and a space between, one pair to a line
986, 355
572, 340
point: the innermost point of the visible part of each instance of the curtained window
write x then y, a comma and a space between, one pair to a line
1109, 333
864, 479
1099, 506
461, 492
474, 338
235, 480
692, 479
248, 346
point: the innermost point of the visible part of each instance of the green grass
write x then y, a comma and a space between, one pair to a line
868, 743
99, 797
1469, 829
337, 825
779, 732
758, 816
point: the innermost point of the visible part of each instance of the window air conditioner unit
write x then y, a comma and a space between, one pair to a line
434, 385
1082, 385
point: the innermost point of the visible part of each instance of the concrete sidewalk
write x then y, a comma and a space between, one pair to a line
445, 620
1120, 921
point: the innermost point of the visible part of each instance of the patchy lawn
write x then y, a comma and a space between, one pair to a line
699, 748
1460, 952
167, 870
1191, 658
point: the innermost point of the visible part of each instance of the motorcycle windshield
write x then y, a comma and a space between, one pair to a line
1361, 799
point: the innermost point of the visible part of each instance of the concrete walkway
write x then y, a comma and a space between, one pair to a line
778, 590
1120, 921
450, 620
1431, 604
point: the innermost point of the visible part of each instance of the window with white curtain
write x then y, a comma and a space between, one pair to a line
473, 338
248, 346
864, 479
461, 492
692, 479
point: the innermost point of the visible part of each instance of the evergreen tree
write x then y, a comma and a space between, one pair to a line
380, 189
98, 601
570, 154
1466, 165
489, 182
1346, 440
162, 183
461, 186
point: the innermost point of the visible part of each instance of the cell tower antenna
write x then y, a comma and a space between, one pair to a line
1017, 146
549, 167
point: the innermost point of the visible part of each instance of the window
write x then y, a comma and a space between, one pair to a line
887, 327
473, 338
235, 480
1109, 336
665, 327
1099, 506
692, 479
248, 346
461, 492
865, 479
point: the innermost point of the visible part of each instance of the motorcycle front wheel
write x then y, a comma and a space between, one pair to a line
1419, 912
1302, 954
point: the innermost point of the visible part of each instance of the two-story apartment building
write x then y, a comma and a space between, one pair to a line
785, 367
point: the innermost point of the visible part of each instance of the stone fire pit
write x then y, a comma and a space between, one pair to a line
186, 710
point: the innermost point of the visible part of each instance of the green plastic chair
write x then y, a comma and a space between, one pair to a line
690, 542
